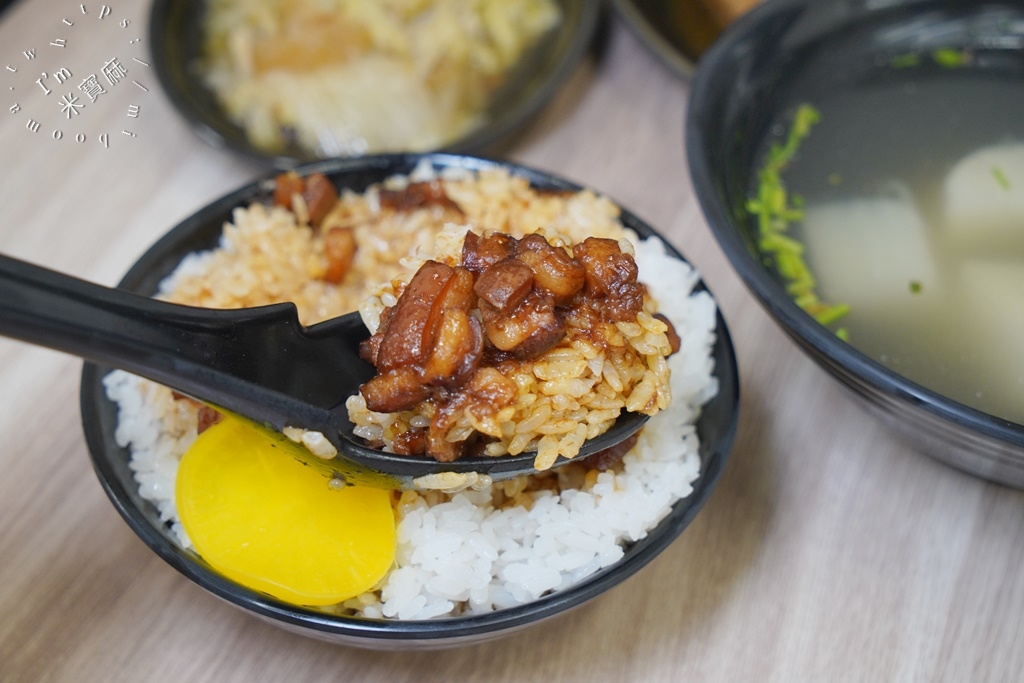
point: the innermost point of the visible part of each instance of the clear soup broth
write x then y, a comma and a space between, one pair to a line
913, 191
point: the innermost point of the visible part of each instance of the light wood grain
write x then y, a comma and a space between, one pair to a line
829, 551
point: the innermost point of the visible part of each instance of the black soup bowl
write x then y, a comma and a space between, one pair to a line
715, 428
902, 66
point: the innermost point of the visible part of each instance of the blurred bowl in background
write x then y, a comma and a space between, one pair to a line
907, 93
678, 32
176, 34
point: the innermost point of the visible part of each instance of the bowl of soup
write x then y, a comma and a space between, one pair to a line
862, 167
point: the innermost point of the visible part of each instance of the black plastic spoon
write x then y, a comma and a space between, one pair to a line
259, 363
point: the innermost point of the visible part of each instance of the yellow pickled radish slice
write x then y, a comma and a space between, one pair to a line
266, 521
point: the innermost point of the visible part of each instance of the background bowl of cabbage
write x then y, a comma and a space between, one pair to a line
716, 428
178, 33
898, 133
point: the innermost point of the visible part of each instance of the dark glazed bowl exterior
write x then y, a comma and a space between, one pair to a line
176, 40
716, 429
741, 86
652, 22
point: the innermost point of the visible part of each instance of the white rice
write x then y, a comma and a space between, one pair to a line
462, 554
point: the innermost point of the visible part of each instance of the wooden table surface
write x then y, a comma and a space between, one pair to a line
829, 551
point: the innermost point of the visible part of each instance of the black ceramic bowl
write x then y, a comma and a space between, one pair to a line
655, 23
176, 40
716, 428
790, 51
677, 32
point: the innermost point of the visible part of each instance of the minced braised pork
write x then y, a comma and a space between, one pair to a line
507, 301
317, 193
418, 195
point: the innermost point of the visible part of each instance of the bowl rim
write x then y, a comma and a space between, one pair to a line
667, 52
714, 454
820, 343
491, 133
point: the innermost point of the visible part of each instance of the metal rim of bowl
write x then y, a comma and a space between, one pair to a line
863, 374
98, 421
198, 106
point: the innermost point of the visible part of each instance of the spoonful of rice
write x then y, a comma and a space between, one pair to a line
427, 401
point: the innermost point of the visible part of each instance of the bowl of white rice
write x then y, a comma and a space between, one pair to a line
300, 80
470, 565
